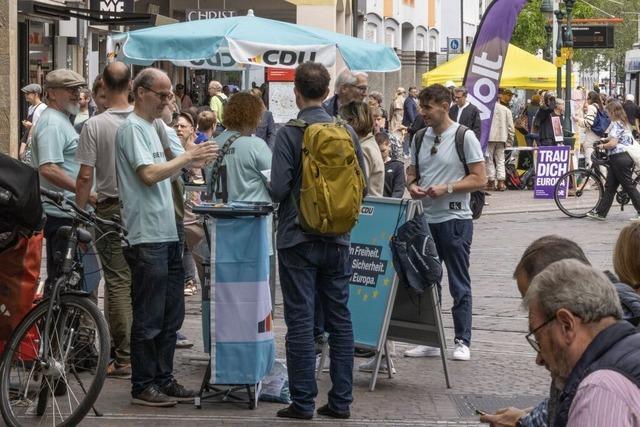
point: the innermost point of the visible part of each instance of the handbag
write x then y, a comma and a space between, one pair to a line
522, 122
634, 152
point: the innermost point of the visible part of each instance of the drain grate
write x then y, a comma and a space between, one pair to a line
467, 403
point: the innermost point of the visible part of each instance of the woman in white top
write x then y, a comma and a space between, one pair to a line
594, 103
621, 164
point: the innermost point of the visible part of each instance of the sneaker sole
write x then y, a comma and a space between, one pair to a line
421, 355
141, 402
119, 377
461, 359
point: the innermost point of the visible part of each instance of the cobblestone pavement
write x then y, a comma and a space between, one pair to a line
502, 368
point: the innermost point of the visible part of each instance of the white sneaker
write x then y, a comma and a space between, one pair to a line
371, 363
423, 351
461, 352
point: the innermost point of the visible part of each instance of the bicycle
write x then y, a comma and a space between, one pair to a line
579, 191
55, 362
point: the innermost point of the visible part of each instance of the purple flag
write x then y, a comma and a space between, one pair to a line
486, 59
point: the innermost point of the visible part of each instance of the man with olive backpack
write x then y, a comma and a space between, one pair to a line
317, 178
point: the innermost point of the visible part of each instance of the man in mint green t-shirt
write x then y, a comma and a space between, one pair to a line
54, 143
155, 254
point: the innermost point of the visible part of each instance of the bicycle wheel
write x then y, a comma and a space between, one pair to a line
60, 386
578, 192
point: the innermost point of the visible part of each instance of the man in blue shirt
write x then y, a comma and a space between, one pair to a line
54, 148
155, 255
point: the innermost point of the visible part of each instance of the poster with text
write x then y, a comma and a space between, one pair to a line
553, 162
373, 275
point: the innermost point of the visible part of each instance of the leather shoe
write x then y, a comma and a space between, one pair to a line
291, 412
326, 411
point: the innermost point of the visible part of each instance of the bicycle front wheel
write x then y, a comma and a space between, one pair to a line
578, 192
57, 383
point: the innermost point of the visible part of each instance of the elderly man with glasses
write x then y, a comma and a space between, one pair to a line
349, 87
540, 254
155, 254
576, 329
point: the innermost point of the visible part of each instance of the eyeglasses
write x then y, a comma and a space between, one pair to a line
436, 143
530, 337
362, 88
167, 96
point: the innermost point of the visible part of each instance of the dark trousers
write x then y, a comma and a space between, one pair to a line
157, 294
453, 242
305, 269
54, 244
619, 174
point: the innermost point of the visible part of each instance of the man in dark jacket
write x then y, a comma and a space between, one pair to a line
409, 116
309, 262
464, 112
633, 111
540, 254
575, 327
349, 87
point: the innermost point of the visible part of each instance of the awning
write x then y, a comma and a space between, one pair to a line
37, 8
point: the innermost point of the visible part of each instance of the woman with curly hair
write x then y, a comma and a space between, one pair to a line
247, 159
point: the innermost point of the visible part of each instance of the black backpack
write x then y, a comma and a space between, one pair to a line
476, 203
414, 254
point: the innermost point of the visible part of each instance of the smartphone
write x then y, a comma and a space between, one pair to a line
479, 412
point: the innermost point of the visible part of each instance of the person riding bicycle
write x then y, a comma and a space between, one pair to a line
621, 165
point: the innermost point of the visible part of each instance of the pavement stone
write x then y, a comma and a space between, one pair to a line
502, 365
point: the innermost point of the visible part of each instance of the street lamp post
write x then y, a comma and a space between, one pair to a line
546, 8
569, 44
559, 17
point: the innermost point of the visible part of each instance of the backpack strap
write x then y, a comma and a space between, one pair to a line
217, 164
418, 137
460, 132
298, 123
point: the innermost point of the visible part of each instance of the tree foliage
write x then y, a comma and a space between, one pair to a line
530, 34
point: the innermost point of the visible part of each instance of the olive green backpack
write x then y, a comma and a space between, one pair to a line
332, 183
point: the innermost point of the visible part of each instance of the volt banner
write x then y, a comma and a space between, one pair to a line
487, 56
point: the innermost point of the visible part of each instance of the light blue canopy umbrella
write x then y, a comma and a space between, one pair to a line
233, 43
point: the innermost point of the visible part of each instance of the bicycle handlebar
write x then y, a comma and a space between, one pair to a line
60, 201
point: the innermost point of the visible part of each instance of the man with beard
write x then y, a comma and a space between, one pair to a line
576, 330
54, 148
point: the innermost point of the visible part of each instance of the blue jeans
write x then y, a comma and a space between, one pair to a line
157, 294
453, 242
305, 269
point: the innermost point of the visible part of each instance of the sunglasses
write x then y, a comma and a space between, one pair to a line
436, 143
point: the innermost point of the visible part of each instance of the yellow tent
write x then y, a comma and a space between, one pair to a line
522, 70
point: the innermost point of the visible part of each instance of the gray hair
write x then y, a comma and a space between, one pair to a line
574, 286
346, 77
145, 79
461, 89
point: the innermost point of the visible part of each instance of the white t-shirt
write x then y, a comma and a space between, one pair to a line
460, 110
445, 167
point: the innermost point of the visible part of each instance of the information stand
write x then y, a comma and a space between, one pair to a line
374, 293
238, 323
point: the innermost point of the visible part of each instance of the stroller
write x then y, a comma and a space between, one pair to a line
515, 180
21, 220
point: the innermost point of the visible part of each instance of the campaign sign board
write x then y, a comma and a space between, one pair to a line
373, 282
553, 162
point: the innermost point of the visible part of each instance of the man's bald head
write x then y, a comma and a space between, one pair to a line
147, 78
117, 77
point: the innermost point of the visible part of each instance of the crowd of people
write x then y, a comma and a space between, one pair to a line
127, 147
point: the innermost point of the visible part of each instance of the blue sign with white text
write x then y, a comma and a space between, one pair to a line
372, 281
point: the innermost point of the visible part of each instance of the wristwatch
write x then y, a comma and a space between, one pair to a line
450, 188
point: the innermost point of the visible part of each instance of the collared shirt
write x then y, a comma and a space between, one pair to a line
605, 398
460, 110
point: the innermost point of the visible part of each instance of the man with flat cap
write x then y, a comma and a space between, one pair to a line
32, 93
53, 148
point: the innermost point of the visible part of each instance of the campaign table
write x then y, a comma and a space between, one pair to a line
236, 314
